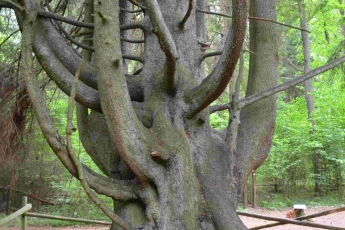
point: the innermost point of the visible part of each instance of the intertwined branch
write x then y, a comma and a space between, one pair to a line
215, 83
91, 194
113, 188
165, 40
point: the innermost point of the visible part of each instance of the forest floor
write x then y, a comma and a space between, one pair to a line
337, 219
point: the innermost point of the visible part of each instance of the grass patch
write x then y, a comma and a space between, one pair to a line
275, 201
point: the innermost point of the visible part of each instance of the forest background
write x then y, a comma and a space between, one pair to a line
293, 173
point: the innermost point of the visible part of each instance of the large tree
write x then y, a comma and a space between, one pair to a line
149, 133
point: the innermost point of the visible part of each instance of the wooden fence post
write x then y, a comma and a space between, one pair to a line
24, 218
245, 196
254, 188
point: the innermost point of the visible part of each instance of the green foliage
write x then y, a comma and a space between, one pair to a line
274, 201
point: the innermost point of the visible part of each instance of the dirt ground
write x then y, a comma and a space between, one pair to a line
337, 219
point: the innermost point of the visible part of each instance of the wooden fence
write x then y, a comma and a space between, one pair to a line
24, 213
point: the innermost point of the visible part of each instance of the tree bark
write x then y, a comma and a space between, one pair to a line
258, 119
317, 159
166, 166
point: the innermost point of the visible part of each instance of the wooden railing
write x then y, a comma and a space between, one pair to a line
23, 212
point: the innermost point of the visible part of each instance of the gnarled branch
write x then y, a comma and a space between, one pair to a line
50, 132
126, 131
213, 86
47, 14
132, 41
132, 57
134, 25
131, 11
60, 68
137, 4
12, 5
210, 54
165, 40
217, 108
91, 194
185, 18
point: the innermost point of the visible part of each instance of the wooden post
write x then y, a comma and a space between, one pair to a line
24, 218
245, 196
254, 187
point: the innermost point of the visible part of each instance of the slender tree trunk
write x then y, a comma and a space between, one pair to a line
259, 119
317, 159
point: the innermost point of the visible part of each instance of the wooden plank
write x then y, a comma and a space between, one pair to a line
307, 217
289, 221
15, 214
254, 188
45, 216
245, 196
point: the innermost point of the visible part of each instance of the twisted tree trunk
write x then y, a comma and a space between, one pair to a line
149, 133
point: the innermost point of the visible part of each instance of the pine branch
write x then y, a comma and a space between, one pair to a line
91, 194
215, 83
165, 40
185, 18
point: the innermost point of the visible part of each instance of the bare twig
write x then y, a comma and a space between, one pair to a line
82, 33
12, 5
217, 108
133, 25
132, 57
69, 130
67, 35
210, 54
47, 14
278, 23
9, 36
131, 11
122, 39
185, 18
253, 18
70, 38
214, 13
278, 88
293, 65
132, 41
